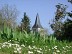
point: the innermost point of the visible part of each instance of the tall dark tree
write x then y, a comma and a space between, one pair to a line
62, 30
25, 23
57, 24
67, 30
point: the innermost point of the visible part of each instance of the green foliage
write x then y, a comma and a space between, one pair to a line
67, 30
25, 42
57, 24
25, 25
62, 30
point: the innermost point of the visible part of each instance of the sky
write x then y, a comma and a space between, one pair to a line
45, 8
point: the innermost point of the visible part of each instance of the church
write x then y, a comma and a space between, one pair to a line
37, 27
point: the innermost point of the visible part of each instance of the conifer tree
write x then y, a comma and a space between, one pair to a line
25, 23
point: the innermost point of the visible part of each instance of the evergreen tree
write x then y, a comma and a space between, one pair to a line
25, 25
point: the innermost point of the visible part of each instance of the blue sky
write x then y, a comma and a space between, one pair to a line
45, 9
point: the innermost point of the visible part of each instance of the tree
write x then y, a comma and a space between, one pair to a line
8, 15
62, 30
25, 23
70, 1
57, 24
67, 30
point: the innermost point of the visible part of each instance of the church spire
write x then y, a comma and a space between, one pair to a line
37, 22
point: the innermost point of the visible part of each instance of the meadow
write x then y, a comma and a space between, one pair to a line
14, 42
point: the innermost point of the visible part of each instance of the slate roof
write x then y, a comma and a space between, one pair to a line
37, 22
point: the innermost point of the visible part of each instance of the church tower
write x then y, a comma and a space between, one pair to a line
37, 27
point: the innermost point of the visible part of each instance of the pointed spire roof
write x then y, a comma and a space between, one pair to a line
37, 22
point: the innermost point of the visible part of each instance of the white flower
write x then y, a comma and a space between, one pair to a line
39, 51
34, 47
55, 47
49, 49
10, 45
25, 41
66, 46
17, 45
45, 46
52, 48
40, 48
23, 45
30, 47
9, 40
5, 43
33, 41
30, 52
18, 49
3, 46
54, 53
15, 51
57, 51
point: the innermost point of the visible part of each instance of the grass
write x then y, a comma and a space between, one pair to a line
23, 43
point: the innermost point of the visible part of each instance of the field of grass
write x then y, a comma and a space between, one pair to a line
23, 43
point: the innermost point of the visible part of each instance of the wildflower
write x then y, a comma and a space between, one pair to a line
9, 41
10, 45
33, 41
23, 45
29, 52
66, 46
17, 45
18, 49
40, 48
25, 41
49, 49
15, 51
5, 43
39, 51
70, 46
3, 46
45, 46
34, 47
55, 47
54, 53
57, 51
30, 47
52, 48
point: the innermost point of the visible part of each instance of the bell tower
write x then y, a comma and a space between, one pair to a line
37, 25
